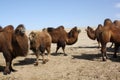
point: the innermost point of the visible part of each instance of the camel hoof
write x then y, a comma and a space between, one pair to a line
104, 59
36, 64
44, 62
65, 54
6, 71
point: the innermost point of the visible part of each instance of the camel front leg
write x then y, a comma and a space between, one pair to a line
103, 51
37, 58
43, 58
8, 60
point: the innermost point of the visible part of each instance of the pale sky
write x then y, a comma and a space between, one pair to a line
38, 14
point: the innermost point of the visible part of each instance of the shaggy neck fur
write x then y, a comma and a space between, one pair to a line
72, 38
20, 45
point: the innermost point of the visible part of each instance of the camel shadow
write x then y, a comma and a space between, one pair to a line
87, 56
2, 68
92, 57
110, 49
58, 54
115, 59
86, 47
26, 61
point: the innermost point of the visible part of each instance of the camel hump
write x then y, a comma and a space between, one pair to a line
107, 22
99, 26
8, 28
60, 27
117, 23
50, 29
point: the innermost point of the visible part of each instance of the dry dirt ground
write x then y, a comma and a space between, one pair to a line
82, 63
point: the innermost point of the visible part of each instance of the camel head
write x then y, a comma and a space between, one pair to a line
74, 32
32, 36
90, 29
91, 33
20, 29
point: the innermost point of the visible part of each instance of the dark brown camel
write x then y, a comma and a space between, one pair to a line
13, 43
62, 38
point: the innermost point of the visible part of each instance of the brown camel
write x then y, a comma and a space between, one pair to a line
62, 38
39, 42
110, 33
13, 43
94, 34
117, 24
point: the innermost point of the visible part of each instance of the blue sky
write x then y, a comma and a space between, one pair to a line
38, 14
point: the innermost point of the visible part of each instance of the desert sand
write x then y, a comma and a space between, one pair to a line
82, 63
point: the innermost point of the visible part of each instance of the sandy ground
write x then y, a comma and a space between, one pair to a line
82, 63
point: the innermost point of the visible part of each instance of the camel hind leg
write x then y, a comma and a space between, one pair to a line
57, 49
63, 48
103, 51
48, 53
8, 59
61, 44
116, 49
98, 43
